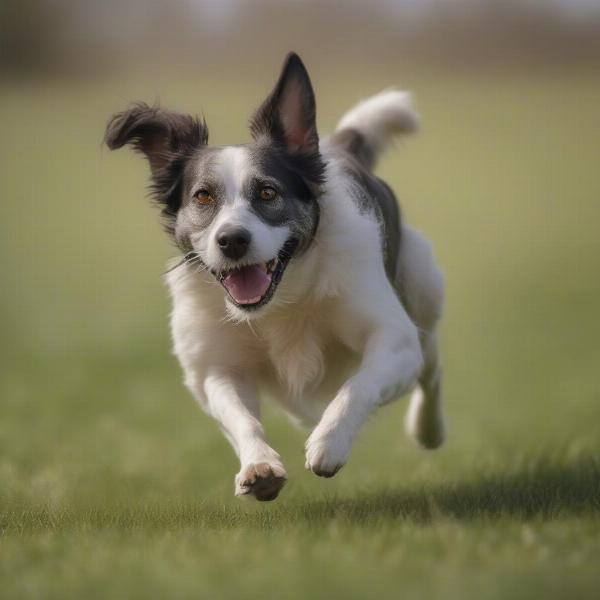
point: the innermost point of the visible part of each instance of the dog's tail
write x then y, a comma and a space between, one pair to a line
366, 130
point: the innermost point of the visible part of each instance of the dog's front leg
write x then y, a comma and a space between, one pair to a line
391, 362
231, 400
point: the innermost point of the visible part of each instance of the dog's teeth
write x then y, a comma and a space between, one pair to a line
264, 267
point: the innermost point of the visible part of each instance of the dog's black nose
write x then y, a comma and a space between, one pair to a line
233, 241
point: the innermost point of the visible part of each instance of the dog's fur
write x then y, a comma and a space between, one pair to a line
348, 321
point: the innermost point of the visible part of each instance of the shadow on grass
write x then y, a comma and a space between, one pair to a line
541, 490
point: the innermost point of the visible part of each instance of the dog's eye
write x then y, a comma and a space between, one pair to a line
268, 193
203, 197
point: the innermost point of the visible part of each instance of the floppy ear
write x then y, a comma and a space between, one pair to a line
168, 140
288, 115
162, 136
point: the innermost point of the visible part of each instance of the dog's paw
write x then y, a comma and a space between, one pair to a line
261, 480
326, 453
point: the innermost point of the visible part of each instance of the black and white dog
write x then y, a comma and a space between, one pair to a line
298, 278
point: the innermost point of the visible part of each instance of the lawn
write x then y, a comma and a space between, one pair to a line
114, 484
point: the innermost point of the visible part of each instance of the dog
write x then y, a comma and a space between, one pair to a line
298, 279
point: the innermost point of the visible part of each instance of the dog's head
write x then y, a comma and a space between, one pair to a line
242, 212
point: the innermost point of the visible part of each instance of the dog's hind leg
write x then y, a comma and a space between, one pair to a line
424, 420
422, 290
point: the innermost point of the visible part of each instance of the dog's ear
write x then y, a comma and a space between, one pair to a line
168, 140
162, 136
288, 115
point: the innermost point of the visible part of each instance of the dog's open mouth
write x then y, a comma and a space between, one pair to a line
248, 284
252, 286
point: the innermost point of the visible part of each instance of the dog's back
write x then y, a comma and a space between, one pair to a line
362, 135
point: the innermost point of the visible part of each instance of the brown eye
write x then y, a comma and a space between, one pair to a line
268, 193
203, 197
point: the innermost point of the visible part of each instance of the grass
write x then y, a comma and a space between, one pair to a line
114, 484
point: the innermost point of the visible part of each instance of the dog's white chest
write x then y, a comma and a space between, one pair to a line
295, 347
306, 362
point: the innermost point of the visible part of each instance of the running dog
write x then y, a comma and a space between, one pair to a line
298, 279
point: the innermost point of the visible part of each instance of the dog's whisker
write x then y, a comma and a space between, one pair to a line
251, 328
190, 258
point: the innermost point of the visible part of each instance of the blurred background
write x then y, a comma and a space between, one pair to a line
503, 179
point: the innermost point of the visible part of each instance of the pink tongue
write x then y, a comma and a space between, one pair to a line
248, 284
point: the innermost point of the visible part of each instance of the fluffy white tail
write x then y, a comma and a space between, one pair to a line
367, 129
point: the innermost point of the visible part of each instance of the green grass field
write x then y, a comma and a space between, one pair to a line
114, 484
